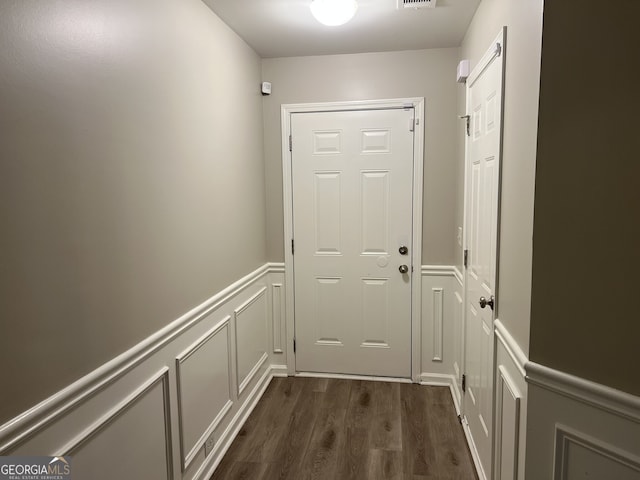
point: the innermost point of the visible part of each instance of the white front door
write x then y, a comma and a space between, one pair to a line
484, 103
352, 177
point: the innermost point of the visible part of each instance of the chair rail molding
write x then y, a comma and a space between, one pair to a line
595, 394
518, 357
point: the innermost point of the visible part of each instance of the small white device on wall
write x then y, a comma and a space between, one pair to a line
463, 71
266, 88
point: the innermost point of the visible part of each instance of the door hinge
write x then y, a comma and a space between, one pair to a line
294, 345
467, 119
291, 143
466, 258
412, 123
460, 419
464, 383
293, 248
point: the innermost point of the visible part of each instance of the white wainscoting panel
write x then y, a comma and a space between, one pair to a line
148, 413
251, 338
438, 286
510, 406
507, 426
103, 451
277, 316
579, 456
204, 388
441, 340
277, 325
579, 429
437, 300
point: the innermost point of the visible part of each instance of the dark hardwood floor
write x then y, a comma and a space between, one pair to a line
329, 429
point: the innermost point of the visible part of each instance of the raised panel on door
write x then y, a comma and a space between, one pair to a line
327, 212
352, 177
374, 189
375, 313
328, 316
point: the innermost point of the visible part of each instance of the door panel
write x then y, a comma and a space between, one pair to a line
484, 97
352, 177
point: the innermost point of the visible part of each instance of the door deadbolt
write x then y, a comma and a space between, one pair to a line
484, 302
403, 250
403, 269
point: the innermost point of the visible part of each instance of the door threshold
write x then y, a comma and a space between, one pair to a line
345, 376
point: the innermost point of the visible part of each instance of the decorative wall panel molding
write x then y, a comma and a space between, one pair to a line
579, 456
595, 429
507, 426
438, 320
441, 327
251, 338
23, 427
169, 406
277, 315
203, 400
511, 406
141, 422
458, 345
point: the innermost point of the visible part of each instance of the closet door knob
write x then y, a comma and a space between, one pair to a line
484, 302
403, 269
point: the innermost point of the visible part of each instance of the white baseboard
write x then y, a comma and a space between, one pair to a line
279, 370
474, 451
344, 376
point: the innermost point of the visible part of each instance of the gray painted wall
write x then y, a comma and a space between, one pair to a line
131, 179
419, 73
587, 200
524, 30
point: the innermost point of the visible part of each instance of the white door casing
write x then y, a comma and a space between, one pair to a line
482, 180
350, 260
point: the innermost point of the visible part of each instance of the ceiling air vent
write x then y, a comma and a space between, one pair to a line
416, 4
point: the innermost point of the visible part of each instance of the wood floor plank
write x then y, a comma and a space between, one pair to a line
246, 471
292, 447
270, 426
246, 435
417, 445
453, 457
386, 428
384, 465
352, 460
317, 429
327, 439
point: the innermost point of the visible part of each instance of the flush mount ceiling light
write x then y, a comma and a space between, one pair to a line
333, 12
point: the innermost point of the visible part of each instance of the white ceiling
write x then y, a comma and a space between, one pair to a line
286, 28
